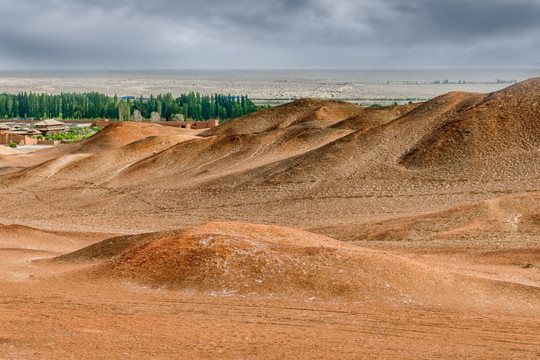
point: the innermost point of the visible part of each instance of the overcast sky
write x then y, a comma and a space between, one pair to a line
268, 34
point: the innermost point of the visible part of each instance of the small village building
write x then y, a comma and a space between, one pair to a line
33, 132
13, 126
19, 137
50, 125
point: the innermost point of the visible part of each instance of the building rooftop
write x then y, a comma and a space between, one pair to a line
49, 122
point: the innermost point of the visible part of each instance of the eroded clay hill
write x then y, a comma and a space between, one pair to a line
241, 258
503, 122
301, 112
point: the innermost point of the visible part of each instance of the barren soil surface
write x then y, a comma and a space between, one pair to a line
318, 229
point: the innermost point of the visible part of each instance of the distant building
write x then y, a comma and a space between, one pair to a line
33, 132
19, 137
50, 125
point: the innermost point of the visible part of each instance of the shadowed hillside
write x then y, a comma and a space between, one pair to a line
501, 122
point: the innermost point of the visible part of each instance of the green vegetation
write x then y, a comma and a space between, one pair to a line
74, 134
12, 145
95, 105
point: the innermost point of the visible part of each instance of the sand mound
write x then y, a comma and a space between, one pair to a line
114, 136
502, 122
366, 150
100, 165
119, 134
203, 159
113, 247
307, 111
257, 259
25, 237
373, 117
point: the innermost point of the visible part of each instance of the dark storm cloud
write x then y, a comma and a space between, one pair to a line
268, 34
442, 20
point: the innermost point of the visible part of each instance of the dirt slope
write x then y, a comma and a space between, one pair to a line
503, 222
502, 122
240, 258
368, 150
190, 163
304, 111
98, 164
371, 117
114, 136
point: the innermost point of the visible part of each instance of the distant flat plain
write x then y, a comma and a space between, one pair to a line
270, 86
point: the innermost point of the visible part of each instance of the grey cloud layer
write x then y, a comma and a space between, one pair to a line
98, 34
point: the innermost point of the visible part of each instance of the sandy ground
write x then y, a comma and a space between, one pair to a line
420, 236
47, 315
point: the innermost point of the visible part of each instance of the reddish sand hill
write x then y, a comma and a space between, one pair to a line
97, 166
366, 150
114, 136
239, 258
119, 134
457, 134
502, 122
374, 116
305, 111
217, 156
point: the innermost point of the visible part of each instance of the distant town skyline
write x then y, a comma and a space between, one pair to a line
262, 34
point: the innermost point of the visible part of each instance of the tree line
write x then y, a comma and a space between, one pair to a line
94, 105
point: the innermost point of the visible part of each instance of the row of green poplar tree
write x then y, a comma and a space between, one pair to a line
94, 105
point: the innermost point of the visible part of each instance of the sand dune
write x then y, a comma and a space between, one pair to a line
241, 258
302, 111
499, 123
22, 236
222, 155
